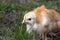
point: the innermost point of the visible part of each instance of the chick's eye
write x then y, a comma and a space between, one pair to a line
29, 19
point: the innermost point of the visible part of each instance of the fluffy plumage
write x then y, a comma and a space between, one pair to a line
41, 20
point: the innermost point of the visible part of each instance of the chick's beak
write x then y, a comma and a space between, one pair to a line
23, 22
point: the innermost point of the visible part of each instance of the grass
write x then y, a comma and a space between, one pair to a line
18, 31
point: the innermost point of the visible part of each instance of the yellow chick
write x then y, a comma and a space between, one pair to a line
41, 20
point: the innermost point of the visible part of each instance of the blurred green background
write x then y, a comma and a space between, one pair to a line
11, 15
